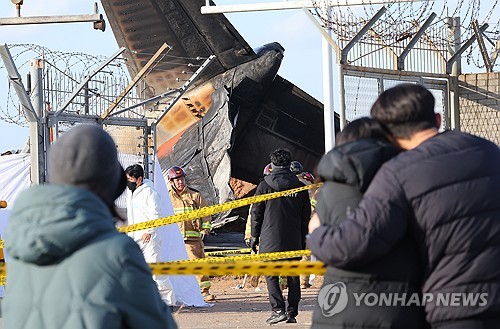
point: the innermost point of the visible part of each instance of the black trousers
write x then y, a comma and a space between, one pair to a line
276, 295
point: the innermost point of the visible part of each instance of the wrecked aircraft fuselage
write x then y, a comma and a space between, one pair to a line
239, 109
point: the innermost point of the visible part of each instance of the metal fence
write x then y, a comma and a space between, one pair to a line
363, 88
378, 55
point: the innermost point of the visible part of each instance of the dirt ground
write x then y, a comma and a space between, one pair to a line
243, 308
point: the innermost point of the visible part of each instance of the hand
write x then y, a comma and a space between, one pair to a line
146, 237
314, 223
204, 233
254, 242
247, 242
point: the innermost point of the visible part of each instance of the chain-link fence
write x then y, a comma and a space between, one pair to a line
480, 105
362, 91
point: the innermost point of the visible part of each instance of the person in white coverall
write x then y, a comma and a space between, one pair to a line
144, 204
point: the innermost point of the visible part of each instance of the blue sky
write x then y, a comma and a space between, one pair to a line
301, 40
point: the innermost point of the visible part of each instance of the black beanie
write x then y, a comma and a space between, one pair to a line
86, 156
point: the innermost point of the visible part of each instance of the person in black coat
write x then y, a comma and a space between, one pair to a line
347, 170
281, 225
443, 194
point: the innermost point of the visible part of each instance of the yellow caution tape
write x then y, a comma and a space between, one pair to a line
258, 257
3, 269
212, 210
218, 268
283, 268
229, 252
209, 210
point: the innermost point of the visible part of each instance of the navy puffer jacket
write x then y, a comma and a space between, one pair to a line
446, 193
347, 171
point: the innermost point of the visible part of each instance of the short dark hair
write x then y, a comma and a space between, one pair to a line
363, 128
135, 171
281, 157
405, 109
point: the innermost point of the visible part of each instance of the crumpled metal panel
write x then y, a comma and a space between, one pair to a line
144, 25
286, 117
203, 152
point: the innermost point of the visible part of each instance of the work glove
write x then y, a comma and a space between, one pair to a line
254, 242
204, 233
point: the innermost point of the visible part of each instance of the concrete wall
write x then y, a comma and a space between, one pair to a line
480, 105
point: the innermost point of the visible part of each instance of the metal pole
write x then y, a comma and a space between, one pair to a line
459, 52
86, 96
359, 35
328, 110
82, 84
17, 83
482, 47
343, 61
135, 80
454, 46
37, 144
95, 18
155, 144
47, 135
342, 107
280, 5
413, 41
147, 158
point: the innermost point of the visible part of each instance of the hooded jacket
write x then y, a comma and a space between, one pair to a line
347, 171
144, 204
69, 267
281, 224
445, 192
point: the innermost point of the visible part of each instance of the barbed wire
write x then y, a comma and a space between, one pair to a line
394, 29
65, 64
401, 19
63, 71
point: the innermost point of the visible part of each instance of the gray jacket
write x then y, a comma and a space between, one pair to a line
68, 267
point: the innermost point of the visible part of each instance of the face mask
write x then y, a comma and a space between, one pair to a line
131, 185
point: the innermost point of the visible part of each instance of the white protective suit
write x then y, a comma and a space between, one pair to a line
144, 204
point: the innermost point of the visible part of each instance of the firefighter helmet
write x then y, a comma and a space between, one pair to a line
175, 172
